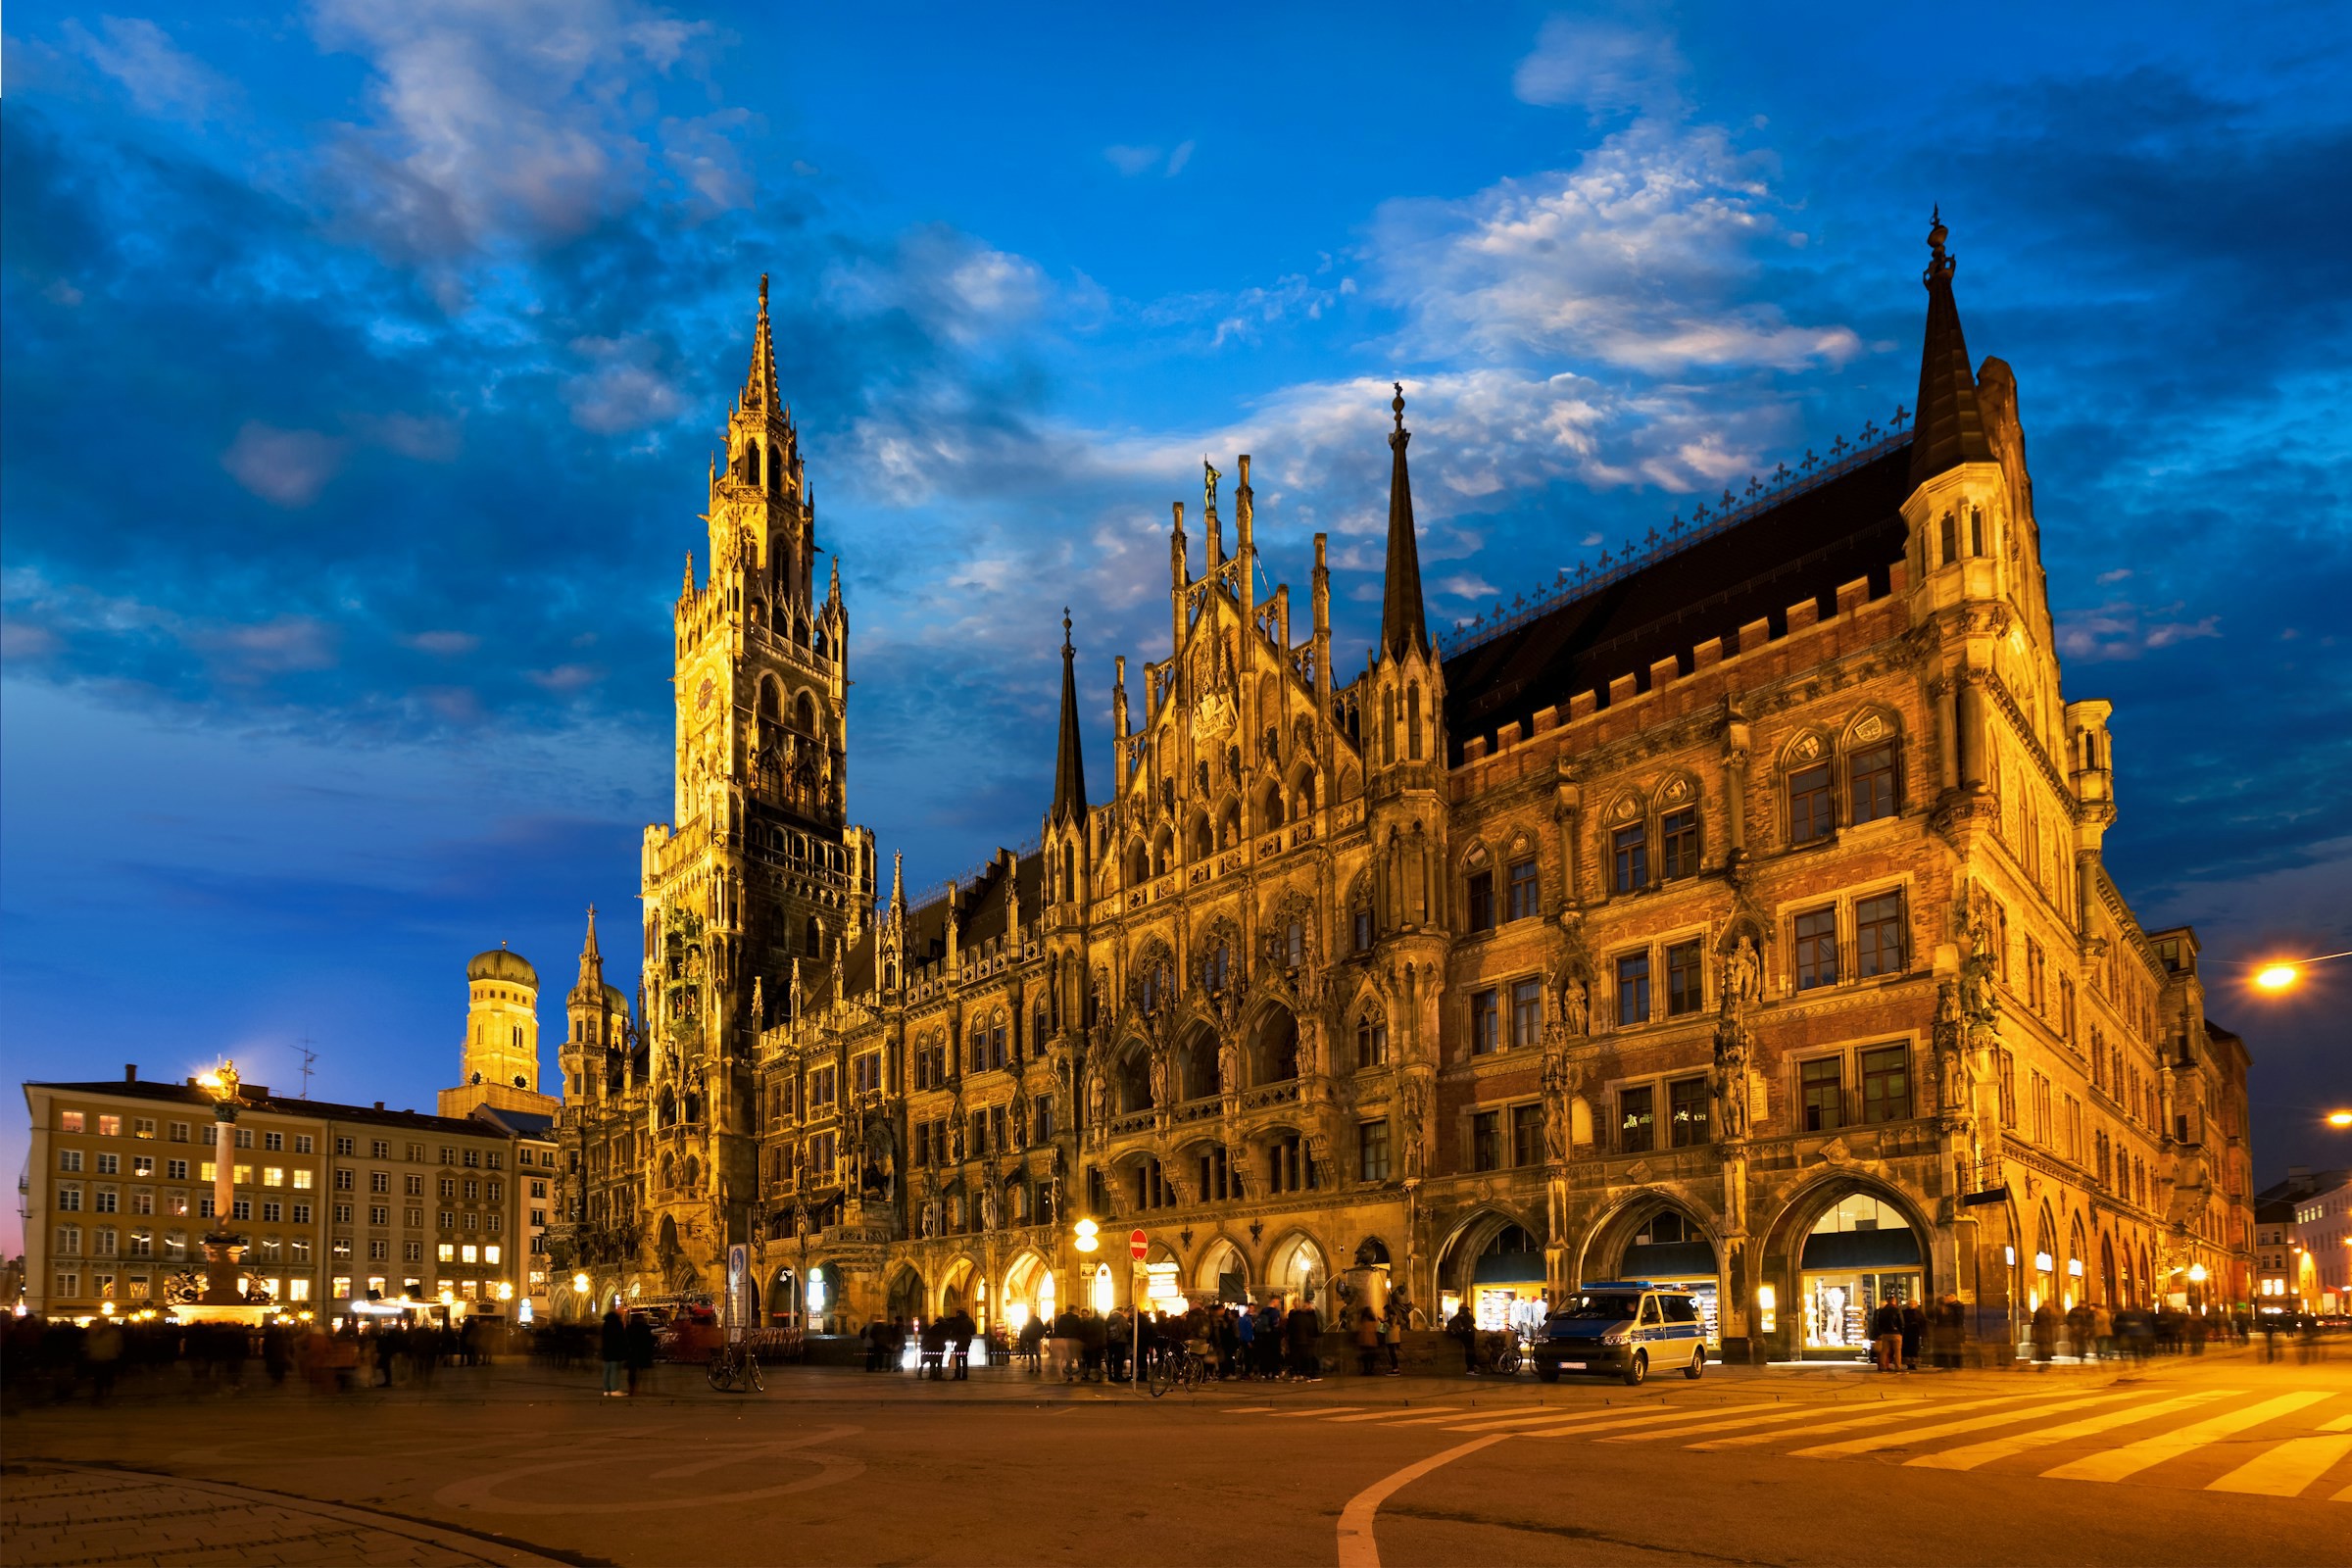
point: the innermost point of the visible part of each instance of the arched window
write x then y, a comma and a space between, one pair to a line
815, 938
1069, 872
1218, 970
775, 476
1371, 1038
1388, 726
751, 462
1413, 722
1271, 817
804, 714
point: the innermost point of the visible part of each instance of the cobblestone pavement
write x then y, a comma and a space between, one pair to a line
2186, 1460
55, 1515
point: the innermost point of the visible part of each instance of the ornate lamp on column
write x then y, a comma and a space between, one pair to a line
224, 1250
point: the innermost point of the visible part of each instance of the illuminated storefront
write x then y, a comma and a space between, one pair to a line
1859, 1255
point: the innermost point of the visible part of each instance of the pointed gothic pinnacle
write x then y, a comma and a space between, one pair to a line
1397, 403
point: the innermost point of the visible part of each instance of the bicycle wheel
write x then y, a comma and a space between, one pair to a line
750, 1375
1163, 1376
721, 1375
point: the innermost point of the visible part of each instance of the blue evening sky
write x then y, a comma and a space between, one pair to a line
361, 363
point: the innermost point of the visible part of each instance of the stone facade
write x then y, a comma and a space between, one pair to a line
1738, 918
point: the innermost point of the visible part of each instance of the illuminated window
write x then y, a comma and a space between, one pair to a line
69, 1121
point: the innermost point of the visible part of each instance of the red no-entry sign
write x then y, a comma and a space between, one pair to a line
1136, 1245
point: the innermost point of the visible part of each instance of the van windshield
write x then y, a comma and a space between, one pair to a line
1597, 1308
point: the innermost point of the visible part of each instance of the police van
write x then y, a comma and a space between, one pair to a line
1628, 1328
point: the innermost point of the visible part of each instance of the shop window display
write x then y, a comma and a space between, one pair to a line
1860, 1254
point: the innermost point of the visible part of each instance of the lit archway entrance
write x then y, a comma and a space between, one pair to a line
904, 1303
1860, 1254
1298, 1270
1223, 1274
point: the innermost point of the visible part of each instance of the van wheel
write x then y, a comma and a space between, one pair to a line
1699, 1365
1638, 1368
1549, 1371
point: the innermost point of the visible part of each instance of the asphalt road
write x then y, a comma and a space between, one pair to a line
2220, 1458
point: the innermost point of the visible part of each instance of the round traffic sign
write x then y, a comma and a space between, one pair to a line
1136, 1245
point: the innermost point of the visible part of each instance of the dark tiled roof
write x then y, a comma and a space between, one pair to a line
1804, 548
521, 1123
321, 1110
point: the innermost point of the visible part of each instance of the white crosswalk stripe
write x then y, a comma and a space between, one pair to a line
2286, 1469
1980, 1453
1879, 1415
1769, 1417
2117, 1463
1916, 1435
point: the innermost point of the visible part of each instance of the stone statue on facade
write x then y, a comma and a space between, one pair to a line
1576, 1008
1415, 1092
1560, 1086
1229, 1063
1742, 978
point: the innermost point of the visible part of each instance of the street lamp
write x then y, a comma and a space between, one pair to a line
2339, 1118
2287, 972
1086, 1236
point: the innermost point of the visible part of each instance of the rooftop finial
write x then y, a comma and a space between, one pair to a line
764, 291
1397, 404
1066, 628
1939, 264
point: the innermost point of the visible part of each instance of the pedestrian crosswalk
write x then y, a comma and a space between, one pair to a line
2296, 1444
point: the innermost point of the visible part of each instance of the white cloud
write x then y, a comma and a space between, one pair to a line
286, 467
956, 287
1131, 160
162, 78
2122, 630
446, 643
1602, 66
623, 389
511, 120
1182, 156
1642, 257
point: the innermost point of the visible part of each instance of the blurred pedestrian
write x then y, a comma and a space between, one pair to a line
612, 1345
638, 1349
1367, 1340
1464, 1328
1915, 1330
1887, 1337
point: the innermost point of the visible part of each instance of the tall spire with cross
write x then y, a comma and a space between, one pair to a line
1069, 763
759, 392
1948, 427
1401, 624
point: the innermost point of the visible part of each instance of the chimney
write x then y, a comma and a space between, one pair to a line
379, 1104
130, 1073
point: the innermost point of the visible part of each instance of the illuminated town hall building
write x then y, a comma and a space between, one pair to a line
1735, 915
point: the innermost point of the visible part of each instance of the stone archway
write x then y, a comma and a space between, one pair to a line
1222, 1271
1273, 1054
1837, 1249
908, 1297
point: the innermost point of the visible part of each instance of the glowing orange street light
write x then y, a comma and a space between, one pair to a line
2287, 972
2339, 1118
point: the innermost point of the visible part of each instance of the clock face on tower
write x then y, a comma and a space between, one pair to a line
701, 697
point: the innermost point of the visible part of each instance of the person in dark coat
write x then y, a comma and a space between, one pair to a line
612, 1345
934, 1348
1305, 1328
640, 1349
1914, 1329
1464, 1328
961, 1328
1887, 1337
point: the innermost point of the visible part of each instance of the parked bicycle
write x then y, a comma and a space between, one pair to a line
735, 1369
1188, 1368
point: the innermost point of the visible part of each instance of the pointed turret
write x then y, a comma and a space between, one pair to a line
1069, 764
1948, 427
592, 962
1400, 621
759, 392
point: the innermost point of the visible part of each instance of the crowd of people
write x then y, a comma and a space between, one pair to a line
53, 1359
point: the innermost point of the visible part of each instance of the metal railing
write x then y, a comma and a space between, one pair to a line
1762, 493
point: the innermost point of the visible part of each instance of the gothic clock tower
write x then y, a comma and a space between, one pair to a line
759, 876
